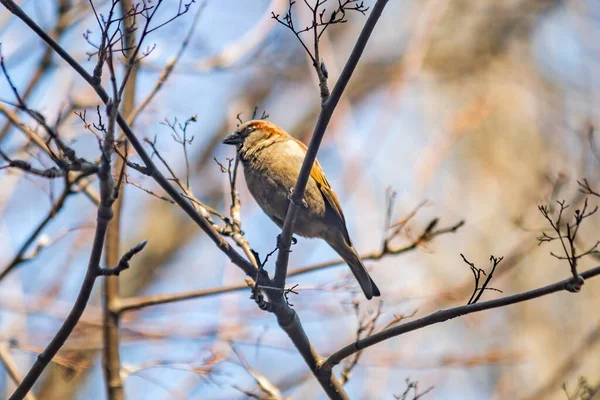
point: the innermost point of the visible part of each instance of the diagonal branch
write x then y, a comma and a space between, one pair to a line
328, 107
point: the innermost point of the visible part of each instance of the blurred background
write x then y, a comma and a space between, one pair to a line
483, 109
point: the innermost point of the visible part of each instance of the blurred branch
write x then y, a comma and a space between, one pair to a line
366, 327
585, 348
135, 303
56, 208
270, 391
583, 390
62, 7
111, 357
11, 367
429, 233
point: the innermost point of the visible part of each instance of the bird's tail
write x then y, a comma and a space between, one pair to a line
351, 257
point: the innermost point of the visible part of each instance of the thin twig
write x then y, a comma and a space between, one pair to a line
166, 73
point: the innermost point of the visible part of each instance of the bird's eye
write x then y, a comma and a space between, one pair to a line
249, 129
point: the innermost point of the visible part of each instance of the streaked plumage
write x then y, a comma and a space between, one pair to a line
271, 161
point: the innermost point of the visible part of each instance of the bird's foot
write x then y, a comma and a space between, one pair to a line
293, 241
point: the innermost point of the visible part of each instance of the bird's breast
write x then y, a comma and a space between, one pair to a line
270, 182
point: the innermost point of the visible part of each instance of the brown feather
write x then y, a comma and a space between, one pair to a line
331, 199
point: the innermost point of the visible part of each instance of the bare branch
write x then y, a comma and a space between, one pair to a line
412, 387
124, 262
270, 391
477, 272
444, 315
566, 234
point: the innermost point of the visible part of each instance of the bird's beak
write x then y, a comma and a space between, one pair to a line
232, 138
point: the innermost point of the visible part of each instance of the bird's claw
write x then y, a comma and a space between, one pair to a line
293, 241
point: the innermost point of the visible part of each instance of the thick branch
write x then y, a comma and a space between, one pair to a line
290, 323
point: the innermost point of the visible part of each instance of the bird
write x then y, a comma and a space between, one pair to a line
271, 161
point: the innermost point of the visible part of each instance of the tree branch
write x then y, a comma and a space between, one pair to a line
444, 315
327, 110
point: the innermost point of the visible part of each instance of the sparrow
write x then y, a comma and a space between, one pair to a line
271, 161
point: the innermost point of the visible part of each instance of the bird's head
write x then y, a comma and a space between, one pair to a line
254, 135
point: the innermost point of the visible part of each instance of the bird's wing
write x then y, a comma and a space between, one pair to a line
331, 200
